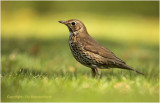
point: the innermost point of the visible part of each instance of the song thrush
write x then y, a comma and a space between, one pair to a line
89, 52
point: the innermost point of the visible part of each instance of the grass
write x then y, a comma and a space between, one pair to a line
37, 65
44, 70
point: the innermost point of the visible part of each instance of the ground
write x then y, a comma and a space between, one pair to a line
45, 70
37, 65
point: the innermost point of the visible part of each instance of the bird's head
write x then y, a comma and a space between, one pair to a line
74, 25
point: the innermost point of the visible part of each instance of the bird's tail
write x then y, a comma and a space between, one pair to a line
129, 68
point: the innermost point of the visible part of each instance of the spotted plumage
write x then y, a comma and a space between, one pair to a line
89, 52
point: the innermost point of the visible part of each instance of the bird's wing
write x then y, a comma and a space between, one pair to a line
93, 46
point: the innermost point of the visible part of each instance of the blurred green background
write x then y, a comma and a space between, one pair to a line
134, 20
36, 60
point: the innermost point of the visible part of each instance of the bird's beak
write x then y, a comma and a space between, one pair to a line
63, 22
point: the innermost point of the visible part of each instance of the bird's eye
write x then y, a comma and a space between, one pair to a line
73, 23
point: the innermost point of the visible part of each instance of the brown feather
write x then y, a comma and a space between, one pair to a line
88, 51
93, 46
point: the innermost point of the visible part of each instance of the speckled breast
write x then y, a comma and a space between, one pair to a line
81, 55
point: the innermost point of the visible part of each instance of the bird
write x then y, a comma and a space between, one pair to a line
89, 52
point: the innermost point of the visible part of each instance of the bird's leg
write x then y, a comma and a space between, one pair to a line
93, 72
99, 72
